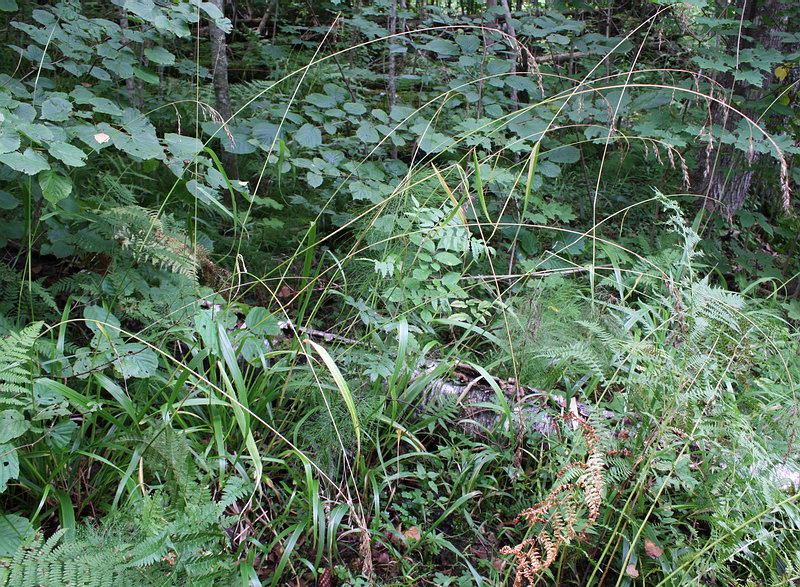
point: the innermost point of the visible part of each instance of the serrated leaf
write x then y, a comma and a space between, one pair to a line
142, 142
308, 136
469, 43
67, 154
450, 279
265, 133
321, 100
442, 47
9, 465
356, 108
313, 179
12, 425
30, 162
136, 360
14, 529
367, 133
160, 55
183, 147
145, 75
56, 109
61, 434
96, 319
9, 141
55, 187
549, 169
565, 154
217, 16
558, 39
263, 322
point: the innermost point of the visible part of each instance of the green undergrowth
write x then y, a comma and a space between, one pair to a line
351, 338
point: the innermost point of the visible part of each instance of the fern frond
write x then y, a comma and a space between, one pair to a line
153, 239
15, 371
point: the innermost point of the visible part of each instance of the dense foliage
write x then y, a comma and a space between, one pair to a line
394, 293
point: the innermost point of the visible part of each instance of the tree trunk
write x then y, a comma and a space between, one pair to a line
491, 5
728, 174
219, 65
130, 84
392, 74
512, 32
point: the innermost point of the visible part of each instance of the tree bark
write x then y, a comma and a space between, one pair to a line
392, 74
219, 63
515, 48
729, 174
130, 84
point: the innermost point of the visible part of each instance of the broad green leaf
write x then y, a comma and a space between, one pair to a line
56, 109
308, 136
61, 434
262, 322
8, 6
367, 133
558, 39
136, 360
565, 154
30, 162
9, 465
97, 318
38, 133
442, 47
216, 15
67, 154
183, 147
313, 179
14, 529
549, 169
146, 75
55, 187
265, 133
321, 100
139, 144
450, 279
9, 140
208, 196
447, 258
82, 95
356, 108
469, 43
12, 425
160, 55
8, 201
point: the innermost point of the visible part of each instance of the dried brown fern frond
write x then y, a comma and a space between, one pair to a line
558, 512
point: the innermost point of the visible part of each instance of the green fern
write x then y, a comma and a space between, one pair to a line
155, 544
15, 372
152, 239
18, 295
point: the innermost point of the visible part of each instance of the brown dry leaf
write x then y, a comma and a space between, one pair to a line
381, 558
631, 571
652, 549
412, 533
480, 551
